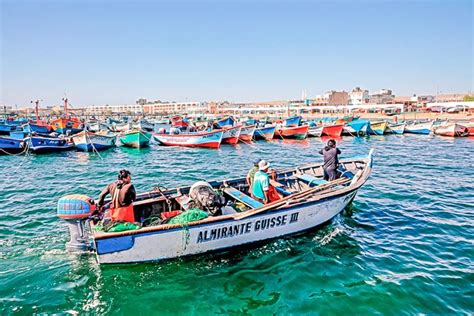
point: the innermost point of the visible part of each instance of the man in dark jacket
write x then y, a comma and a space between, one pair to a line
331, 160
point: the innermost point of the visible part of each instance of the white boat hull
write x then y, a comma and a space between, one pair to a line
178, 242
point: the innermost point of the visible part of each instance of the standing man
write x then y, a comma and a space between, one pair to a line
331, 161
261, 183
252, 173
123, 194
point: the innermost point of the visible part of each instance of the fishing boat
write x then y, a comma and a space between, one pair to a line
291, 128
308, 202
315, 131
46, 144
135, 138
470, 129
210, 139
264, 132
297, 132
9, 146
231, 135
396, 128
419, 128
67, 125
37, 128
356, 127
120, 127
246, 133
5, 129
144, 125
377, 128
451, 130
179, 121
334, 130
90, 141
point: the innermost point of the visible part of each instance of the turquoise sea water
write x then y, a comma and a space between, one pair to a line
405, 245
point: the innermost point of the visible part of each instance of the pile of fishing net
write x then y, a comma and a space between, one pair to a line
191, 215
116, 226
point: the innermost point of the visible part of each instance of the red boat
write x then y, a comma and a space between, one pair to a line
178, 121
201, 139
231, 135
298, 132
333, 130
451, 130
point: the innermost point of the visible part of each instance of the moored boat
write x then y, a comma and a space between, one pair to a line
135, 138
377, 128
297, 132
45, 144
396, 128
246, 133
451, 130
231, 135
265, 132
308, 202
10, 146
334, 130
5, 129
37, 128
356, 127
419, 128
315, 131
89, 141
470, 128
210, 139
67, 125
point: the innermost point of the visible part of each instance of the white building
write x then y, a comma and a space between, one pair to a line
115, 109
175, 108
358, 96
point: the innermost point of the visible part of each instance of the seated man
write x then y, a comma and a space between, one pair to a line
123, 194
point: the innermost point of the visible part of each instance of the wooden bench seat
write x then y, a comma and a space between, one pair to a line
241, 197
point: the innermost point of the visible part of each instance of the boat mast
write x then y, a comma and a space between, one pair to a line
65, 105
36, 109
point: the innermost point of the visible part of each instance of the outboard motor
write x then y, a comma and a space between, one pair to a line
75, 209
205, 198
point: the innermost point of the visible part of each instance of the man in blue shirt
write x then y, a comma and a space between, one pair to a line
261, 182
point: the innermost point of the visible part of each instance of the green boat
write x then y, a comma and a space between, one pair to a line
135, 138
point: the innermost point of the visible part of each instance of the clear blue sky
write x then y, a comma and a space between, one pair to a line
115, 52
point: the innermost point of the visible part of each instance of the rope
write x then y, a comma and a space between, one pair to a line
93, 147
17, 154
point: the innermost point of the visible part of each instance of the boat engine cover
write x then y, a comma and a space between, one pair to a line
75, 206
205, 198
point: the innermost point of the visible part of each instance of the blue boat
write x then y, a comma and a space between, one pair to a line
356, 127
5, 129
227, 122
419, 128
265, 133
11, 145
44, 144
292, 121
36, 128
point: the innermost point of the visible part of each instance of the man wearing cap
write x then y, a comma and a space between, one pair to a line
252, 173
261, 182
